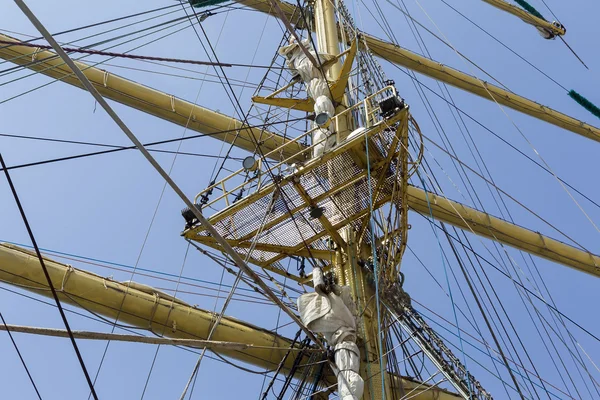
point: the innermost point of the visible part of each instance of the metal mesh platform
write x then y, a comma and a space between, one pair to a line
335, 187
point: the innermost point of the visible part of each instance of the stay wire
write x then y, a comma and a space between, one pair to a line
536, 373
502, 109
447, 280
103, 22
567, 372
239, 110
506, 46
34, 61
539, 290
56, 140
482, 342
115, 150
502, 325
375, 268
20, 356
497, 135
510, 321
187, 249
78, 301
87, 66
215, 173
238, 278
477, 255
510, 340
48, 279
507, 195
426, 102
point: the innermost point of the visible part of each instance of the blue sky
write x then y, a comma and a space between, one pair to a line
101, 207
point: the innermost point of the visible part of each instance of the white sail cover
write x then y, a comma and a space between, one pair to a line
323, 141
334, 316
347, 359
316, 84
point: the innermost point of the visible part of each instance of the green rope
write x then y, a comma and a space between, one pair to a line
529, 8
205, 3
585, 103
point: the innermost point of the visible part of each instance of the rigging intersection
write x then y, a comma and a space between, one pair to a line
332, 189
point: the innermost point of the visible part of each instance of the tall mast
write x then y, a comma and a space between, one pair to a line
346, 268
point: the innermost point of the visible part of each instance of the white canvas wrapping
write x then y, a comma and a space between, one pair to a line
324, 105
328, 315
347, 356
350, 385
317, 87
347, 359
334, 315
320, 139
318, 278
356, 132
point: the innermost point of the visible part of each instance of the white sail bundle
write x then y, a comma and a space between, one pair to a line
317, 88
333, 314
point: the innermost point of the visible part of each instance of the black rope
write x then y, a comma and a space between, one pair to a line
121, 148
20, 356
498, 136
100, 23
48, 279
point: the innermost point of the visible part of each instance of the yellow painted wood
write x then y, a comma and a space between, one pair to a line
406, 58
151, 101
502, 231
338, 88
175, 319
306, 105
526, 17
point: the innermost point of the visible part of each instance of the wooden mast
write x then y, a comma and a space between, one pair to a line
347, 270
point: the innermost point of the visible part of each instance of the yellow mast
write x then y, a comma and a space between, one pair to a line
347, 270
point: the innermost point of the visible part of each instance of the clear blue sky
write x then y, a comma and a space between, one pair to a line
101, 207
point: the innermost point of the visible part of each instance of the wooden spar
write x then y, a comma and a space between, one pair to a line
173, 319
295, 18
406, 58
493, 228
117, 337
138, 308
148, 100
469, 83
527, 17
203, 120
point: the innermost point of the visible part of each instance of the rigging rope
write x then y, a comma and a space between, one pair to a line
375, 268
446, 274
516, 127
585, 103
47, 275
530, 9
112, 54
20, 356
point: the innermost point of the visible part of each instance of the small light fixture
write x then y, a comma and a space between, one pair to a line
249, 164
316, 212
390, 105
322, 118
190, 218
